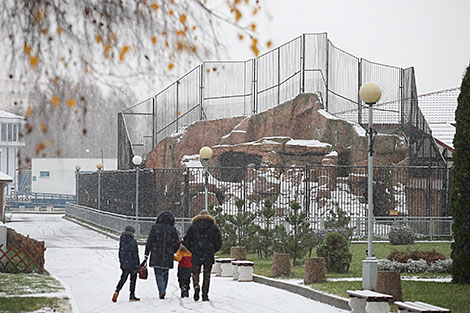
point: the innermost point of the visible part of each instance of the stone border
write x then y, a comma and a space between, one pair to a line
323, 297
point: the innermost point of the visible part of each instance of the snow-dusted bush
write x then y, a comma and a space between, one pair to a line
385, 265
416, 266
401, 235
441, 266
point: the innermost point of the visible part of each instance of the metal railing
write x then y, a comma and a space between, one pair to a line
406, 191
308, 63
117, 222
425, 228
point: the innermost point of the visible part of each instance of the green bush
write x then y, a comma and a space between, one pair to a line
401, 235
335, 250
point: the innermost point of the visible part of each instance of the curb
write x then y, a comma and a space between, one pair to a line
338, 302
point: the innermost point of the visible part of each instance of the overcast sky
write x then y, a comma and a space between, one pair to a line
431, 35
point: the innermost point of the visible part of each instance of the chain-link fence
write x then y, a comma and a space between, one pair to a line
308, 63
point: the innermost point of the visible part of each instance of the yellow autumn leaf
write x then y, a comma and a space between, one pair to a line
43, 31
55, 101
180, 46
33, 61
43, 127
70, 102
253, 27
154, 40
154, 6
194, 27
39, 148
59, 30
170, 66
29, 112
107, 47
27, 49
183, 18
98, 38
167, 44
269, 44
241, 37
254, 46
123, 53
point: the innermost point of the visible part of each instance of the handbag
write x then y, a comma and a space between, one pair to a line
143, 272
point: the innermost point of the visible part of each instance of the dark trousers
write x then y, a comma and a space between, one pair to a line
196, 270
122, 281
184, 276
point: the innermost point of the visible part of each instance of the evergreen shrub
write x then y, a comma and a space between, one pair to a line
335, 250
401, 235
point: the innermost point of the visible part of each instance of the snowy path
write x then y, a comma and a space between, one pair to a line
86, 262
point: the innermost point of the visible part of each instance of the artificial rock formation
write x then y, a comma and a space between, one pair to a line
298, 132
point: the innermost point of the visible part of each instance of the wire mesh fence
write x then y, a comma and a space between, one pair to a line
308, 63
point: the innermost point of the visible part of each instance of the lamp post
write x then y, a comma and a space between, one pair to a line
77, 171
137, 160
205, 154
370, 93
99, 166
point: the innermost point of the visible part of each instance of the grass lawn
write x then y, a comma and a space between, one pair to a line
381, 250
448, 295
452, 296
27, 292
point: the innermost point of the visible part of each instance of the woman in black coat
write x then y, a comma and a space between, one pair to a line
203, 239
162, 244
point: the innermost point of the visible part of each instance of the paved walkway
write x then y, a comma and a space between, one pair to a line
87, 264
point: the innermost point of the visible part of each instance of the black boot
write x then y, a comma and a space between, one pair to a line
133, 298
196, 293
183, 292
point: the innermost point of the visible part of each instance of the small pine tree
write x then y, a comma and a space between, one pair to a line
243, 223
227, 230
300, 237
266, 233
460, 199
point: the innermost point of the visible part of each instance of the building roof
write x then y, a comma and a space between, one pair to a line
438, 109
4, 178
8, 115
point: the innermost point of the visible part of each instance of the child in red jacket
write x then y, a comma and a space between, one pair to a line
183, 257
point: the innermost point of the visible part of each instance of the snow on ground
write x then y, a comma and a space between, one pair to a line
87, 264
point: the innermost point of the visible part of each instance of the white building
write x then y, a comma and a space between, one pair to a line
439, 109
10, 143
57, 175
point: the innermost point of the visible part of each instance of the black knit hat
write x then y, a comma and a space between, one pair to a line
130, 229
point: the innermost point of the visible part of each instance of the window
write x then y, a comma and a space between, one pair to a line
10, 132
4, 132
15, 133
43, 174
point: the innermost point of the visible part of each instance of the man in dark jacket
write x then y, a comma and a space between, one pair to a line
203, 239
129, 260
162, 244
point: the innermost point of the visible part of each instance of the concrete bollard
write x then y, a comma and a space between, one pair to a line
245, 270
226, 265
